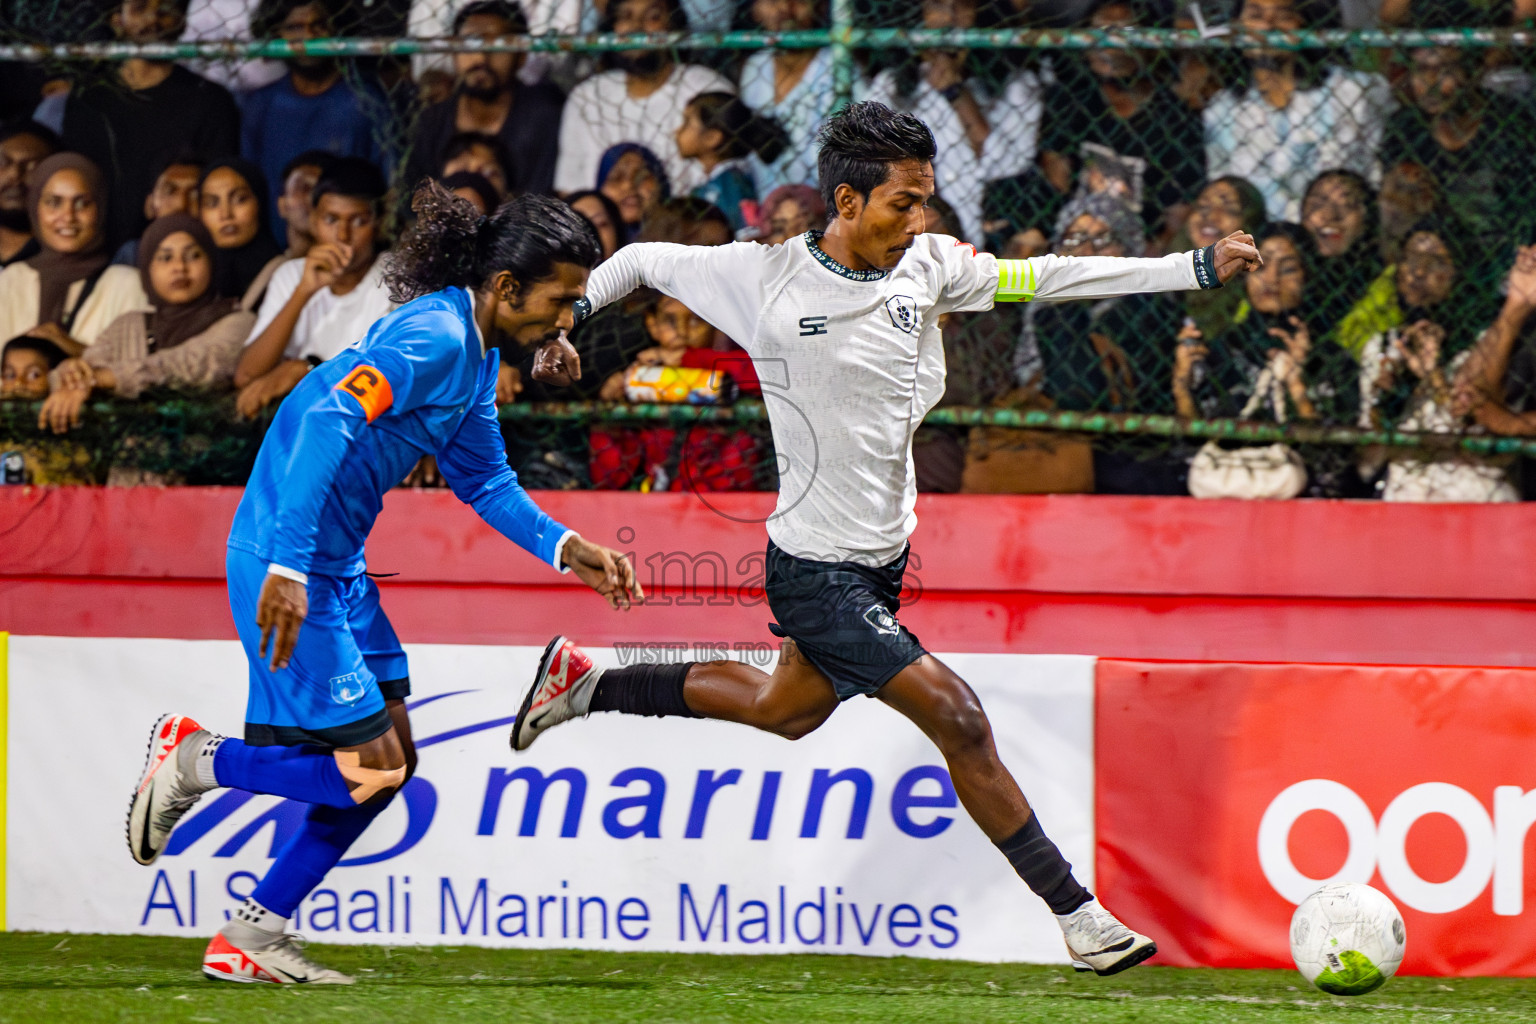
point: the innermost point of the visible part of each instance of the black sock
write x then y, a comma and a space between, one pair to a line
1043, 868
643, 690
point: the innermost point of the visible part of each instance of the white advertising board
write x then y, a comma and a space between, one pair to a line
611, 833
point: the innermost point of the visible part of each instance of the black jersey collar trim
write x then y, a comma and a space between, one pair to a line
811, 243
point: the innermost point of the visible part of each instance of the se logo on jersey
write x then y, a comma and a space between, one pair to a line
372, 391
903, 310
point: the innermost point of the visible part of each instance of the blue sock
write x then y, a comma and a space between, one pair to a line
314, 849
308, 774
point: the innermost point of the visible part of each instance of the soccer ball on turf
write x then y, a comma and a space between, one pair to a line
1347, 939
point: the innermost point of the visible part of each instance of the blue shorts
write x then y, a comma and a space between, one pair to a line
347, 663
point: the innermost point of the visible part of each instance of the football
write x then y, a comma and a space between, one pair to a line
1347, 938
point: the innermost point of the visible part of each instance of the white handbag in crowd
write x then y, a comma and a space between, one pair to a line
1266, 471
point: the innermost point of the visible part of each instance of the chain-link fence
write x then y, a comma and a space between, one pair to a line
1380, 155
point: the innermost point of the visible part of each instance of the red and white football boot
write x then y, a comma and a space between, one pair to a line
561, 690
281, 963
168, 786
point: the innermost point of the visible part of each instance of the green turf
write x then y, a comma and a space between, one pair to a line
114, 978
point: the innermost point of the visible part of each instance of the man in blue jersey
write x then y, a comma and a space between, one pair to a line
326, 722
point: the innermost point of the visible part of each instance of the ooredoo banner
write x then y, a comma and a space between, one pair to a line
1227, 793
611, 833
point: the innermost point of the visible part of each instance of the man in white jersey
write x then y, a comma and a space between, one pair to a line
846, 324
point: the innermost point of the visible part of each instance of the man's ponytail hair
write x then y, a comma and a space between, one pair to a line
744, 131
451, 245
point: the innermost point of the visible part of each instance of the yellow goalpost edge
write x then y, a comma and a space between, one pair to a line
5, 663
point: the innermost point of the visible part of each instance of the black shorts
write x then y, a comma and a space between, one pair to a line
842, 617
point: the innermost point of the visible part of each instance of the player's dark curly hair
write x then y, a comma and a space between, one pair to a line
859, 143
452, 245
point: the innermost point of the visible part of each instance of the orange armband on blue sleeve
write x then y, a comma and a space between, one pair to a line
371, 389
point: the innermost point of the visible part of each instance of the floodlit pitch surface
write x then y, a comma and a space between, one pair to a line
86, 978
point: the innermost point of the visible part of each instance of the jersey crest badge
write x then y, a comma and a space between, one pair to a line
903, 310
882, 620
348, 689
370, 388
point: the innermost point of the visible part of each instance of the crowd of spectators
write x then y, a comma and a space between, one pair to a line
217, 227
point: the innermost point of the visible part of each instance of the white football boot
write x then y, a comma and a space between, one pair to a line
280, 963
168, 786
1099, 943
562, 690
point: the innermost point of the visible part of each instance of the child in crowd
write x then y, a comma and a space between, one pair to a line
722, 134
24, 367
667, 458
25, 363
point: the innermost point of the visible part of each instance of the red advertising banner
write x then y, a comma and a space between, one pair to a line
1228, 792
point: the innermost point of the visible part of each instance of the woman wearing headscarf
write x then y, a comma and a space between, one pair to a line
635, 179
191, 337
1103, 355
67, 293
234, 210
1095, 355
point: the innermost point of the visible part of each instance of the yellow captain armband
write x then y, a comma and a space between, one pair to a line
1015, 281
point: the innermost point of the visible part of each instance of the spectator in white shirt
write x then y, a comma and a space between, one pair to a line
1294, 116
794, 87
319, 305
986, 126
640, 100
228, 19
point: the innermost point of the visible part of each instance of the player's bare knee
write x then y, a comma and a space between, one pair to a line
962, 729
796, 730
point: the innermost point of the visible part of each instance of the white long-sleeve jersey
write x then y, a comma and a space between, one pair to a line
851, 361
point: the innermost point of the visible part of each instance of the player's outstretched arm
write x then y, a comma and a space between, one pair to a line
474, 463
721, 283
1102, 277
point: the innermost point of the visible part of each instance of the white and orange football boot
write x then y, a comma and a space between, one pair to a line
280, 963
168, 786
561, 690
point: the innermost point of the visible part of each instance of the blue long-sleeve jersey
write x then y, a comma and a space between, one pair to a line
420, 383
